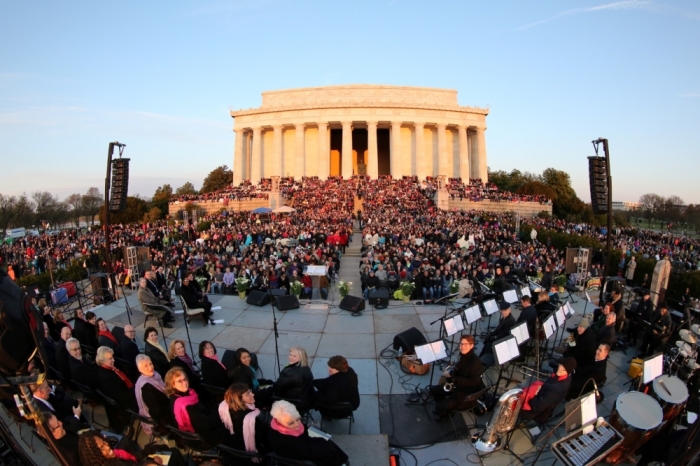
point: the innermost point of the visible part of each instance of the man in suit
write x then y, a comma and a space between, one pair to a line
528, 314
195, 299
49, 346
163, 295
54, 401
502, 330
62, 355
82, 372
643, 312
548, 395
581, 384
129, 351
146, 297
607, 334
658, 332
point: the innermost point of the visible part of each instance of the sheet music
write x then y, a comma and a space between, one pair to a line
550, 326
525, 291
589, 412
510, 296
490, 306
505, 350
520, 333
431, 352
568, 310
561, 318
472, 314
454, 325
653, 368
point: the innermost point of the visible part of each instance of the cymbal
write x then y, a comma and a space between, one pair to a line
685, 347
688, 336
695, 328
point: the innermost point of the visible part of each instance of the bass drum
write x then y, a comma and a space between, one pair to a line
671, 393
635, 416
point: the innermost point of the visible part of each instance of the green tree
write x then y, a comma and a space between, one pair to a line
161, 198
537, 187
136, 208
44, 205
567, 203
153, 215
217, 179
8, 211
187, 188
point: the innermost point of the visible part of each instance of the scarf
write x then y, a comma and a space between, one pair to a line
157, 345
248, 424
125, 379
108, 334
123, 455
256, 384
216, 358
157, 381
286, 430
187, 360
180, 410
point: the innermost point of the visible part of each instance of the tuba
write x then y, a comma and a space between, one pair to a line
503, 420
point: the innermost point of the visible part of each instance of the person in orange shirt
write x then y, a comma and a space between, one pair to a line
11, 273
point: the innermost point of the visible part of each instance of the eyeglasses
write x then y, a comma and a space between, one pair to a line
75, 350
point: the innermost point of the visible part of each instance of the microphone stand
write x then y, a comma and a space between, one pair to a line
274, 328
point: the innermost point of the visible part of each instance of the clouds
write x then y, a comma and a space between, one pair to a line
621, 5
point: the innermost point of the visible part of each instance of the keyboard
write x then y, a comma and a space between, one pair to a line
579, 449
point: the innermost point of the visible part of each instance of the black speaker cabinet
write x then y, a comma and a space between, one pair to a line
379, 298
278, 291
352, 304
409, 339
287, 302
258, 298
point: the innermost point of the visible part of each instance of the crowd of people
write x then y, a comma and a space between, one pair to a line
243, 192
476, 190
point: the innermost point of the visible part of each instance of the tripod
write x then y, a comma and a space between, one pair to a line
274, 329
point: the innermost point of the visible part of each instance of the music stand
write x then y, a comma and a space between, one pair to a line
550, 329
522, 335
491, 308
652, 367
510, 296
580, 412
525, 291
472, 315
560, 317
430, 353
504, 351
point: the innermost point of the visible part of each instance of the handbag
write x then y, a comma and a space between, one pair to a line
410, 364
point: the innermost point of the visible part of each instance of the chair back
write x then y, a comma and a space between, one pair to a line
289, 462
240, 453
337, 410
118, 333
109, 400
188, 440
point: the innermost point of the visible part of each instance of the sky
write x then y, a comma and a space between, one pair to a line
162, 76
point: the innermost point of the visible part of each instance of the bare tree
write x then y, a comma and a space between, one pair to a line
75, 204
92, 201
8, 211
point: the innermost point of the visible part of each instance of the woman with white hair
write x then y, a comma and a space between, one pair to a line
116, 385
150, 394
288, 438
296, 382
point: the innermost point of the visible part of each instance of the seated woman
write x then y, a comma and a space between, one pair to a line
191, 415
95, 450
340, 385
240, 416
179, 358
105, 337
296, 382
155, 351
244, 373
213, 371
543, 305
288, 438
116, 385
59, 321
150, 394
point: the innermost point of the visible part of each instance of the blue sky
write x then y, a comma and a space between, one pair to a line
161, 77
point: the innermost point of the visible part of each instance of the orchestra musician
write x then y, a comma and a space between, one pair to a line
581, 382
466, 379
542, 398
659, 330
502, 330
642, 312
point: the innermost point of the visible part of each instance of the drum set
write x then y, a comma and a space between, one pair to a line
682, 360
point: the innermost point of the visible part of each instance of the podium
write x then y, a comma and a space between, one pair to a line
316, 272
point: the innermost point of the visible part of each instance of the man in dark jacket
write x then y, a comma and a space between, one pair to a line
502, 330
581, 382
129, 351
658, 332
643, 312
62, 355
584, 351
528, 314
85, 330
466, 380
371, 284
340, 386
81, 371
550, 394
195, 299
607, 334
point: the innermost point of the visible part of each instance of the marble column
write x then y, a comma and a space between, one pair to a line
481, 148
299, 156
238, 158
323, 152
473, 155
373, 162
256, 156
395, 155
442, 150
346, 169
463, 153
278, 163
421, 163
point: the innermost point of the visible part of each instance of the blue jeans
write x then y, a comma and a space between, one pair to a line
324, 293
437, 292
427, 293
217, 288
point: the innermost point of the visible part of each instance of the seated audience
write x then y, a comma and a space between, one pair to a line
179, 358
154, 350
66, 442
81, 371
214, 373
129, 351
86, 331
296, 382
116, 385
195, 299
146, 297
288, 438
105, 337
190, 414
150, 395
240, 417
341, 385
53, 400
62, 355
95, 450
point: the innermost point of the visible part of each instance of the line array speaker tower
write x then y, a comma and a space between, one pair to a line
598, 175
120, 185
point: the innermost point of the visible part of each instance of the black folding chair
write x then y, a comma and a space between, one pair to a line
278, 460
470, 401
338, 410
228, 451
189, 441
94, 400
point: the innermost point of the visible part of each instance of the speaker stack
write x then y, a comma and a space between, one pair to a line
598, 177
379, 298
353, 304
286, 302
120, 185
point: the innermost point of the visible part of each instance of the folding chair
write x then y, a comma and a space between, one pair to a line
473, 398
278, 460
338, 410
250, 456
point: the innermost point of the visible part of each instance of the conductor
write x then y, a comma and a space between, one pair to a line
502, 330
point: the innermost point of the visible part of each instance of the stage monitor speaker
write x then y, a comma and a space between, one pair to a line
258, 298
409, 339
287, 302
120, 185
379, 298
278, 291
352, 304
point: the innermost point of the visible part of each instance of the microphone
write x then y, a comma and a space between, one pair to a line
595, 387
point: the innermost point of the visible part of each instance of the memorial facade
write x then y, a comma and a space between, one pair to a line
359, 129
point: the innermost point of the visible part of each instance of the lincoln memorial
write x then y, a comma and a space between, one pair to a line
360, 129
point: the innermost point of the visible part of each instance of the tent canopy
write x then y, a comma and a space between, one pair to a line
262, 210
